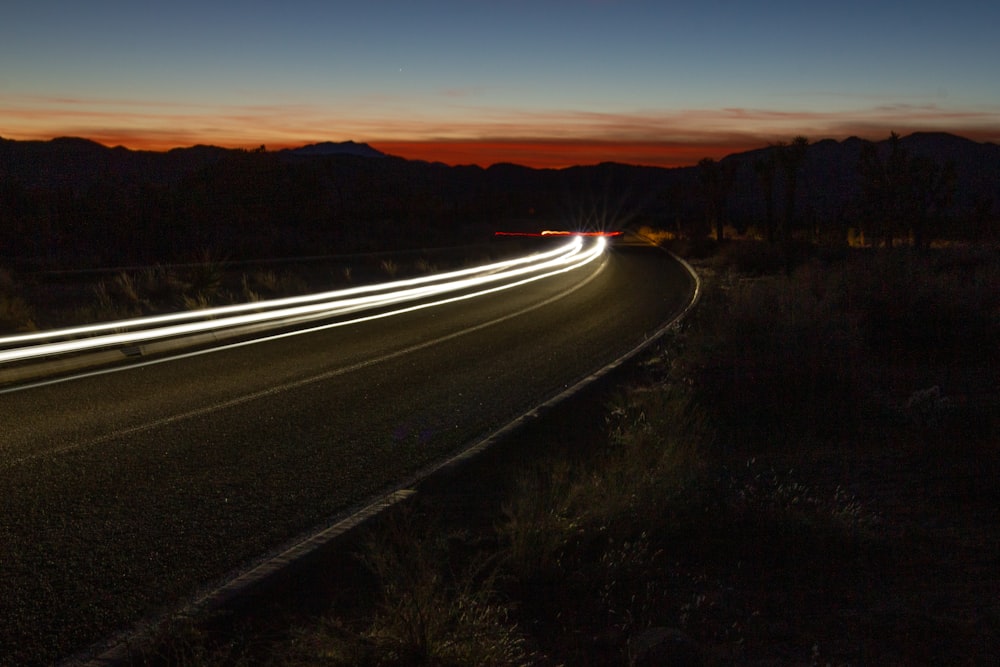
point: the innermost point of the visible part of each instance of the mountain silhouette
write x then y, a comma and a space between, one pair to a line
333, 148
71, 201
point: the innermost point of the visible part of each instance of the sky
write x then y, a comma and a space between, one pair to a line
545, 83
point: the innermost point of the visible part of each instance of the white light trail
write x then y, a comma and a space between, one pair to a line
287, 301
282, 312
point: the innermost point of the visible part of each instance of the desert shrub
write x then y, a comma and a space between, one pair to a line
389, 267
202, 280
181, 642
196, 301
692, 248
155, 289
539, 521
656, 235
594, 546
433, 607
563, 506
109, 303
265, 280
758, 258
127, 294
657, 438
942, 305
756, 489
158, 286
247, 293
15, 313
814, 352
752, 257
268, 283
425, 266
778, 357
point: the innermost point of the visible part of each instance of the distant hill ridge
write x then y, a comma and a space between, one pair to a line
73, 203
828, 177
336, 148
941, 145
75, 161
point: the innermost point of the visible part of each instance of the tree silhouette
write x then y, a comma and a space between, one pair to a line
766, 169
716, 180
902, 193
790, 158
934, 188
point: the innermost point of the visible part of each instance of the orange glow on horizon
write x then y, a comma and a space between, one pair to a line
536, 154
541, 154
540, 139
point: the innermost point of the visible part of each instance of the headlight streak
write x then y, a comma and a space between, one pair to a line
273, 389
567, 249
565, 258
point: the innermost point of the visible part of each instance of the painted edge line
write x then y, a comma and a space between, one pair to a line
536, 412
121, 647
405, 488
236, 586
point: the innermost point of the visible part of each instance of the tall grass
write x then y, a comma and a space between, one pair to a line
15, 313
433, 607
195, 286
389, 267
655, 440
202, 280
782, 356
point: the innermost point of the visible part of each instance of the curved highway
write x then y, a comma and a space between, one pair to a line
125, 492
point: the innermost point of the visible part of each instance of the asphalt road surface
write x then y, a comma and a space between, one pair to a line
127, 492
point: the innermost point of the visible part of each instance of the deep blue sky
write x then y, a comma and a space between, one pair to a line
477, 81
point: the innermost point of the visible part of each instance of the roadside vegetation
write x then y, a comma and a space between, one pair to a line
803, 472
49, 301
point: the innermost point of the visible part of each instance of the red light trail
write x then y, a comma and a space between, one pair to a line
559, 233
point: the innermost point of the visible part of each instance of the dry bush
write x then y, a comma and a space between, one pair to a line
389, 267
272, 284
425, 266
655, 235
940, 305
814, 352
108, 304
777, 358
15, 313
202, 280
655, 440
158, 286
132, 294
433, 608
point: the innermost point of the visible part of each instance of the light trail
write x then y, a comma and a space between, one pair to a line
284, 312
20, 339
549, 232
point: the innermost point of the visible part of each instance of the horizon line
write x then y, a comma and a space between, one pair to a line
530, 153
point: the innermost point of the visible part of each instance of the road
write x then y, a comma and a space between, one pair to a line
124, 493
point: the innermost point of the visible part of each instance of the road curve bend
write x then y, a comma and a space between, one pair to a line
126, 493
